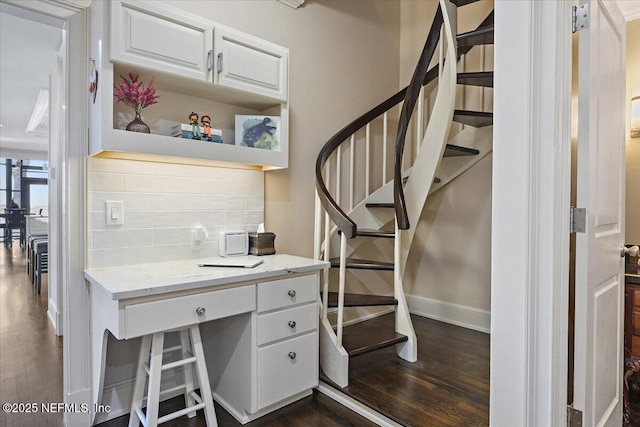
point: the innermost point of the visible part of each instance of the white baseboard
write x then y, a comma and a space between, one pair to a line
455, 314
55, 317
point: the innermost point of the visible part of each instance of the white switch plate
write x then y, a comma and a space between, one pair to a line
115, 213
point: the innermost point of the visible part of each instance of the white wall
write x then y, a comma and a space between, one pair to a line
162, 202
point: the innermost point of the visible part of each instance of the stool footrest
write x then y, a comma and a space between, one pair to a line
178, 363
172, 349
180, 413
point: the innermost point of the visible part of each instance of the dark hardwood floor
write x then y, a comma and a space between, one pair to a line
30, 352
448, 386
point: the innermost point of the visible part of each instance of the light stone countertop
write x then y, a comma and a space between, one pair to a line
131, 281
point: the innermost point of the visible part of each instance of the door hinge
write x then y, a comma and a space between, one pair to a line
577, 220
579, 17
574, 417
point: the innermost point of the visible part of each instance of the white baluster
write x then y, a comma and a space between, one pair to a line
384, 148
367, 162
343, 262
338, 173
351, 169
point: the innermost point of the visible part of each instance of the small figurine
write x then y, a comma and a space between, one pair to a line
206, 127
195, 128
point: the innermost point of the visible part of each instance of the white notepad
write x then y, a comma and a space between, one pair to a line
231, 262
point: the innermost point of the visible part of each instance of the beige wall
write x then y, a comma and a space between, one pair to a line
633, 144
453, 268
343, 61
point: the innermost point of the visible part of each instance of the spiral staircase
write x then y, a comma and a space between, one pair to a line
390, 208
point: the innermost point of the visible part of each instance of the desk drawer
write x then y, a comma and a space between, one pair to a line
287, 292
287, 323
156, 316
287, 368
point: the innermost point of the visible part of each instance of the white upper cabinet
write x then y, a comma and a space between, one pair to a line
145, 35
196, 65
250, 64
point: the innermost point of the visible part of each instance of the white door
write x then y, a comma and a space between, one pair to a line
599, 267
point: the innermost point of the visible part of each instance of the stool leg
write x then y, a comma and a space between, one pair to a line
188, 372
203, 376
138, 388
155, 372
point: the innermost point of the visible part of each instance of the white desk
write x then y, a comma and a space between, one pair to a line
260, 335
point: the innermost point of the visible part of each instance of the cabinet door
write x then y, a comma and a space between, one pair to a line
161, 39
287, 368
250, 64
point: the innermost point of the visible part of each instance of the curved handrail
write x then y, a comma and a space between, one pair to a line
419, 75
337, 215
400, 207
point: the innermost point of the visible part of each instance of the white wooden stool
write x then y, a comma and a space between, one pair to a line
150, 364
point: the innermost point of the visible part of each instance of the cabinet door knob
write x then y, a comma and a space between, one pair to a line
292, 293
292, 324
292, 355
200, 311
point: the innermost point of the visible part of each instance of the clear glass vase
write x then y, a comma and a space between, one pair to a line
137, 125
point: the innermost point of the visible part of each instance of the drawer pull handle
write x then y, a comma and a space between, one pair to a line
292, 293
200, 311
292, 324
292, 355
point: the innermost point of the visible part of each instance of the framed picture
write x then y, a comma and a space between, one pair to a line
258, 132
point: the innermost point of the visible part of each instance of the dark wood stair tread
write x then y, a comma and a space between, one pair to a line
476, 119
361, 300
483, 78
387, 234
363, 264
463, 2
364, 232
457, 151
480, 36
380, 205
357, 344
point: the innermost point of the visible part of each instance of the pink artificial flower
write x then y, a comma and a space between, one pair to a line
134, 94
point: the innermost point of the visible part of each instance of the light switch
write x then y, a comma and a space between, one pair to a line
115, 213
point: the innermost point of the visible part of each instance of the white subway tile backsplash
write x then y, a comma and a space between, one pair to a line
162, 202
171, 236
131, 201
106, 257
106, 182
122, 166
177, 202
254, 203
138, 219
246, 188
245, 217
224, 202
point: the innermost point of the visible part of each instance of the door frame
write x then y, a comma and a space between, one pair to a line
74, 150
530, 223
